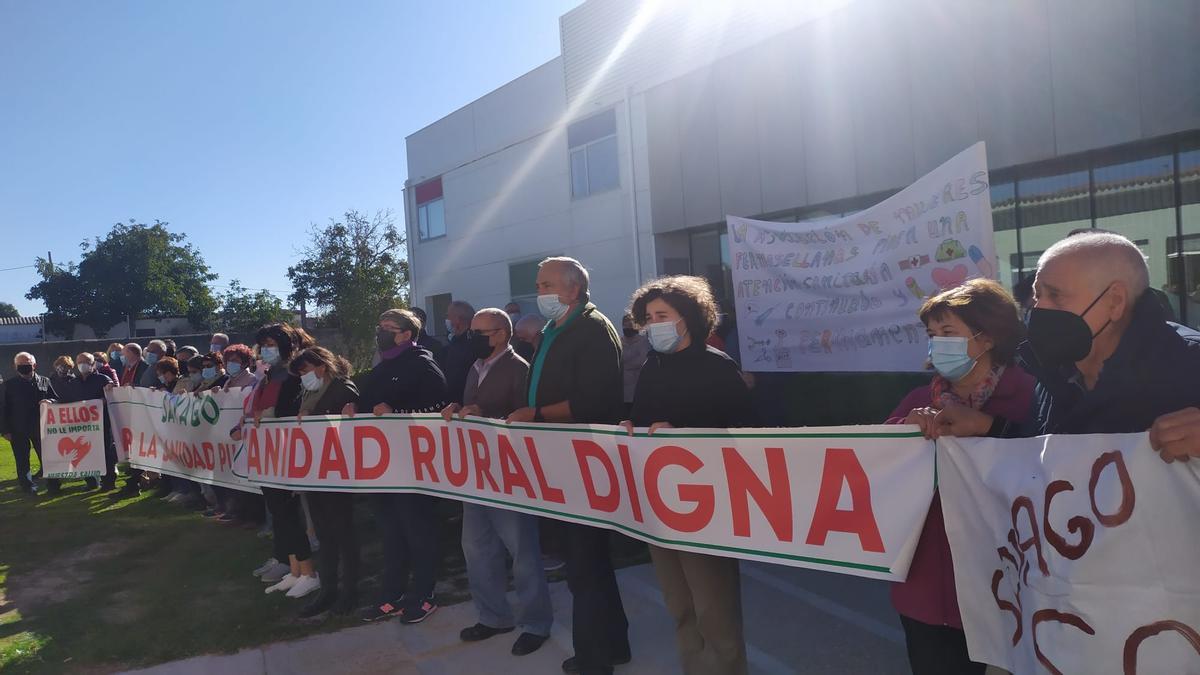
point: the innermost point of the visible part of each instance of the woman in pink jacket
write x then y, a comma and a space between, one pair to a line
974, 331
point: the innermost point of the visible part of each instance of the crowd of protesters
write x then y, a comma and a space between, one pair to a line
1089, 351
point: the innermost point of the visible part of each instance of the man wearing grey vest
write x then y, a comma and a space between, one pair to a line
495, 387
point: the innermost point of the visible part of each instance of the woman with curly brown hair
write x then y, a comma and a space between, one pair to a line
686, 383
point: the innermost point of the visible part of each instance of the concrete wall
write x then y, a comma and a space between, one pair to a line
876, 94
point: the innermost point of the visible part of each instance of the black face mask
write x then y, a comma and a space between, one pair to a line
524, 349
25, 369
480, 345
385, 339
1059, 337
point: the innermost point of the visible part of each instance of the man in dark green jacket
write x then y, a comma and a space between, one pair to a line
576, 377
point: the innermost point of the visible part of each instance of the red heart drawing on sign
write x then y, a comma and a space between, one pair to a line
77, 446
949, 278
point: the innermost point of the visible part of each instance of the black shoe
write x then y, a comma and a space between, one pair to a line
52, 489
107, 485
28, 489
382, 611
90, 484
528, 643
418, 613
572, 666
481, 632
321, 604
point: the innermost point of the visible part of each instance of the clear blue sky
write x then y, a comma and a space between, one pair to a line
240, 123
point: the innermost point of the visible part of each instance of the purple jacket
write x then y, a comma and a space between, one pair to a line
928, 595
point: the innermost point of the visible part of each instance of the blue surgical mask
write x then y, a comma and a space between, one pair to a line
663, 336
551, 307
162, 379
114, 356
233, 368
151, 358
310, 381
449, 327
269, 355
209, 373
949, 357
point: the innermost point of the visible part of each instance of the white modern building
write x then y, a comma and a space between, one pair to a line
659, 118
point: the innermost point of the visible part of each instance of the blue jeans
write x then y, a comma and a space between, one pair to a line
486, 535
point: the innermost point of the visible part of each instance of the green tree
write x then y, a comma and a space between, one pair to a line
354, 269
8, 311
243, 311
135, 270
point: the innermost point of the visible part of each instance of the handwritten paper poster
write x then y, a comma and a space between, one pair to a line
843, 295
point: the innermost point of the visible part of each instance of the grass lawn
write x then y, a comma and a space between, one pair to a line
92, 586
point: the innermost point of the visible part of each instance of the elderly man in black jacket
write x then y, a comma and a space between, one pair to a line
1105, 358
576, 377
19, 422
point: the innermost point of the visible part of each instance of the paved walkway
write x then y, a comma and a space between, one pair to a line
797, 621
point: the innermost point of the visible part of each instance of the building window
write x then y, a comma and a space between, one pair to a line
522, 281
431, 211
438, 308
593, 150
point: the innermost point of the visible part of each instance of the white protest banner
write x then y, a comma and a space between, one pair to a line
843, 499
73, 439
183, 435
1074, 554
842, 295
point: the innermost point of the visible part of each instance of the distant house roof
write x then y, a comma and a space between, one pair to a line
20, 320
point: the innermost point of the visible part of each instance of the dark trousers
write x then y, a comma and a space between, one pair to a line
937, 650
110, 459
287, 523
333, 518
21, 445
408, 526
600, 632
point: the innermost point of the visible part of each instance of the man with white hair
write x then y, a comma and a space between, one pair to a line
154, 351
1105, 358
576, 377
218, 343
19, 422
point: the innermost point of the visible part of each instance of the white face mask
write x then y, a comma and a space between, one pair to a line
449, 327
551, 307
310, 381
85, 368
663, 336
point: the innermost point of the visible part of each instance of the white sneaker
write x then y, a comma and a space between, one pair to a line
265, 567
305, 586
285, 584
